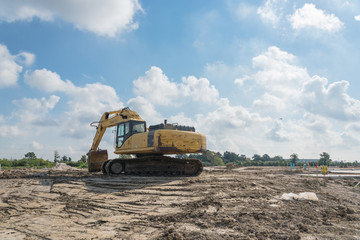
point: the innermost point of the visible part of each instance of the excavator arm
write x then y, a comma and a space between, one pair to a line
109, 119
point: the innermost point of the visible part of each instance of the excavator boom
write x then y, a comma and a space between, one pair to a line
111, 119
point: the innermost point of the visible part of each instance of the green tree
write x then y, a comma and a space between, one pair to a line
230, 157
243, 157
202, 157
324, 159
83, 159
266, 157
56, 156
247, 162
294, 158
83, 162
215, 158
5, 163
30, 155
277, 158
257, 157
65, 159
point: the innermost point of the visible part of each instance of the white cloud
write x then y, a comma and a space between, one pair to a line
219, 71
355, 127
90, 98
269, 12
240, 81
159, 90
277, 73
357, 18
25, 58
106, 18
230, 117
332, 101
199, 90
93, 98
9, 69
12, 65
351, 135
6, 130
145, 109
315, 123
232, 128
227, 127
269, 103
276, 133
310, 17
46, 80
35, 145
182, 119
156, 87
59, 124
312, 134
306, 114
242, 10
32, 110
24, 10
85, 104
290, 89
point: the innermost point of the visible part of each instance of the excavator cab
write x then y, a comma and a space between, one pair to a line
127, 129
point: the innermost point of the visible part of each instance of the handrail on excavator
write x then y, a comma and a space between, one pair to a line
93, 124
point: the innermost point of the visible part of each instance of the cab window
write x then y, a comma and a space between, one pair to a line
125, 130
122, 133
138, 127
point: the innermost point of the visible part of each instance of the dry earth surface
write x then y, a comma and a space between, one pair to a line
242, 203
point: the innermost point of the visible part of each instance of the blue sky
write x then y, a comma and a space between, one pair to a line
274, 76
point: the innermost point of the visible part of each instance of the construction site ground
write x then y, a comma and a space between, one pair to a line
221, 203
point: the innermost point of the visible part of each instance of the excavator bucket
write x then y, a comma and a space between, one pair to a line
96, 159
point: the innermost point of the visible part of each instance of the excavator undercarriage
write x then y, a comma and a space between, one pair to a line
153, 165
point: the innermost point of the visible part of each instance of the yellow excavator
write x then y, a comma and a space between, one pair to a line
148, 144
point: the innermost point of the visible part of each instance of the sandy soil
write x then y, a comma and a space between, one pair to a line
243, 203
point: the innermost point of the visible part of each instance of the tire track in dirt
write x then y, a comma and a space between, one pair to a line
221, 203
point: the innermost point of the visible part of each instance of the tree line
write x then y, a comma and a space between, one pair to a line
30, 160
208, 158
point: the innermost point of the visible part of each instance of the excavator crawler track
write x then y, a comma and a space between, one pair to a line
153, 166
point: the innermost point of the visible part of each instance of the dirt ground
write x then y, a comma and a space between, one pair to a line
242, 203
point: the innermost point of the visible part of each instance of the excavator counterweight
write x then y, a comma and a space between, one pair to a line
148, 144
